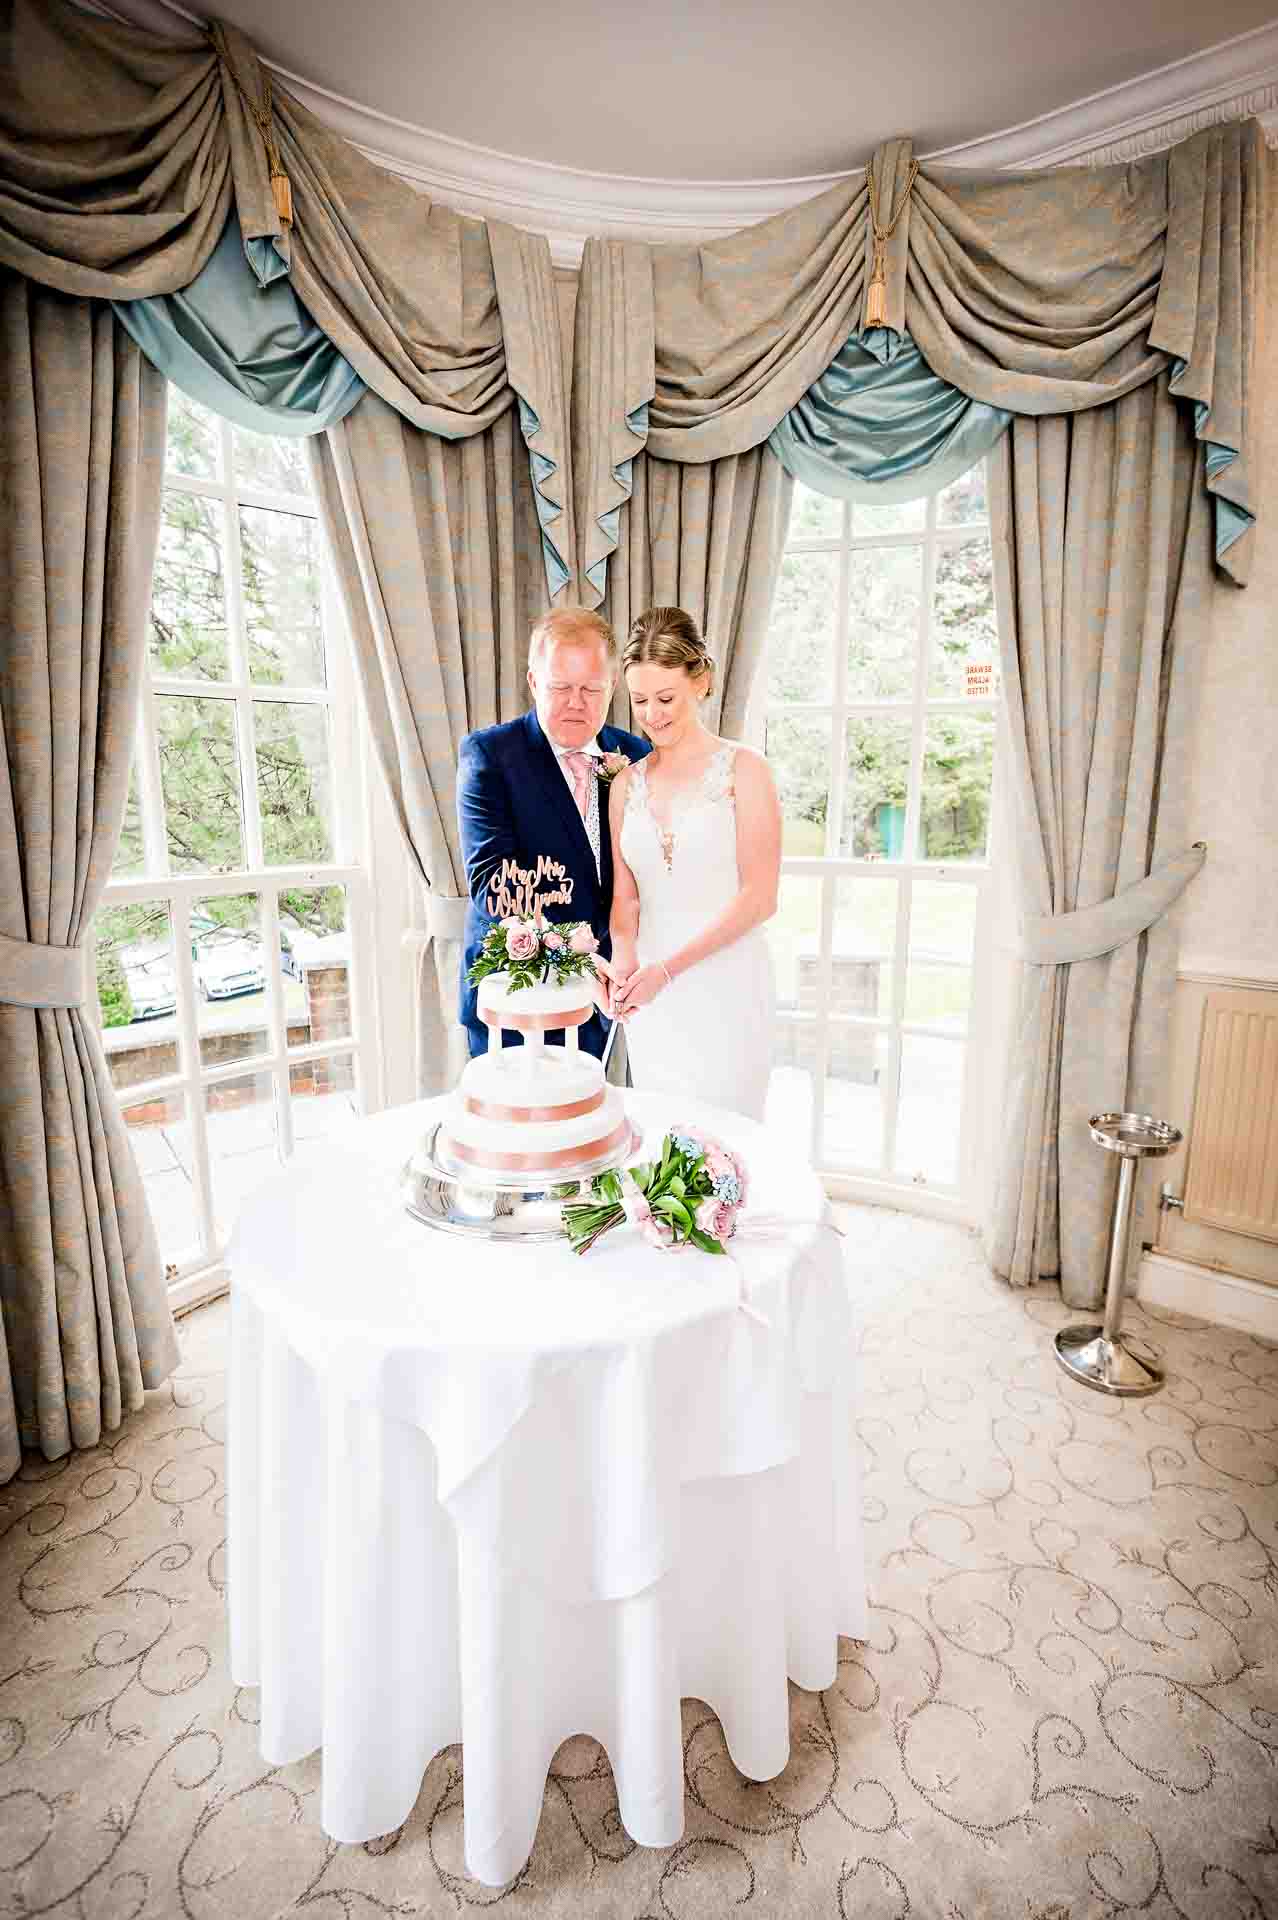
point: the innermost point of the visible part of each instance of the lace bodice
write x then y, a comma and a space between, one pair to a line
715, 786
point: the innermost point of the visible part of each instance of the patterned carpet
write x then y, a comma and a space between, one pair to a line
1068, 1707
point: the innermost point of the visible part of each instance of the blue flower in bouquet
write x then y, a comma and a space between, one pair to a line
728, 1188
688, 1143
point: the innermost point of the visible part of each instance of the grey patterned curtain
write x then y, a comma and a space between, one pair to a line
707, 538
85, 1316
1102, 539
438, 548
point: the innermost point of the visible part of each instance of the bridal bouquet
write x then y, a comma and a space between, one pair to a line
533, 952
689, 1196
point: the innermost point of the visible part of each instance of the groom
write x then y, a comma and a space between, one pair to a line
530, 786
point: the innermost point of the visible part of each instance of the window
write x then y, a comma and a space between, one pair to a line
881, 714
232, 945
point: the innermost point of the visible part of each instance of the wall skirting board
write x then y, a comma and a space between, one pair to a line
1227, 1299
1229, 81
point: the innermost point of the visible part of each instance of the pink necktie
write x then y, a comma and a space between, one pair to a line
578, 765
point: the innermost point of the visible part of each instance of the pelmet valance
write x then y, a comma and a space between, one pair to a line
123, 154
1039, 293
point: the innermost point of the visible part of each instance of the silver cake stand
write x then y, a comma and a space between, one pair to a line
1103, 1356
443, 1192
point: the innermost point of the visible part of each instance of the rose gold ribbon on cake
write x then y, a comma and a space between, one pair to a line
489, 1110
535, 1162
536, 1022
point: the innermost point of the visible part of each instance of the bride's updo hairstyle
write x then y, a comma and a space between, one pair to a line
668, 637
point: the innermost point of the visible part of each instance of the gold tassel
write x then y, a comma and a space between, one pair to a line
876, 304
283, 198
876, 293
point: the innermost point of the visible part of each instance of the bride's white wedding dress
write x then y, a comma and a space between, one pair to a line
708, 1036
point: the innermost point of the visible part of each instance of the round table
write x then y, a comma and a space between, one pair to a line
506, 1494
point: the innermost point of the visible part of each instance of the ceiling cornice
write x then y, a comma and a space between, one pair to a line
1227, 82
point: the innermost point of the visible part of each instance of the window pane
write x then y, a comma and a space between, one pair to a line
813, 516
938, 986
188, 590
885, 593
927, 1120
855, 1086
963, 501
194, 444
130, 855
792, 1086
161, 1142
964, 633
904, 516
864, 942
242, 1141
794, 933
958, 766
874, 801
137, 991
324, 1097
229, 965
315, 960
798, 751
277, 464
293, 786
200, 781
280, 555
801, 632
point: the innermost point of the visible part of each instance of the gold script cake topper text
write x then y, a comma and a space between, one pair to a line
517, 890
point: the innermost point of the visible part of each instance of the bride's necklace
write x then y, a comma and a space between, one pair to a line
666, 835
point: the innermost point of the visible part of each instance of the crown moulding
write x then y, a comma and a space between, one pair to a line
1231, 81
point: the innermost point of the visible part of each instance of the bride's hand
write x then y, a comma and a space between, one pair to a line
638, 990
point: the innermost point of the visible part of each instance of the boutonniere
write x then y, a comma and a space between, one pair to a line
609, 765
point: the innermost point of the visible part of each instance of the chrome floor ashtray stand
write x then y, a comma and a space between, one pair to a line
1102, 1356
483, 1205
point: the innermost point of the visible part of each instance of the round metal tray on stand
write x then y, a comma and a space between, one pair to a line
1103, 1356
482, 1205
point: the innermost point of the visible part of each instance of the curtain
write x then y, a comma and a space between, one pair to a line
1102, 537
438, 549
707, 538
85, 1316
1040, 293
877, 429
251, 353
122, 156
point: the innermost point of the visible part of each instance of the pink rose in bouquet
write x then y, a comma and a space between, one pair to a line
521, 941
716, 1217
582, 940
719, 1161
552, 941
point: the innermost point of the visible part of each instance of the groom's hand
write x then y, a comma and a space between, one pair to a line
605, 982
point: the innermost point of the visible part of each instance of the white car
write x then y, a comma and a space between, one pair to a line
227, 963
148, 973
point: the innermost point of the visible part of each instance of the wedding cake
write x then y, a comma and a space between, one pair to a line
532, 1108
528, 1108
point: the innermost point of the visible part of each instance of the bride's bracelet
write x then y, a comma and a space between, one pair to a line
665, 969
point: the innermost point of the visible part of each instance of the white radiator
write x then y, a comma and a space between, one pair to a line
1233, 1140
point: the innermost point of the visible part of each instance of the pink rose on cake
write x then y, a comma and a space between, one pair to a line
553, 942
521, 941
582, 940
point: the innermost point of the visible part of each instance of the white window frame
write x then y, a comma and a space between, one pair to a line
962, 1201
202, 1275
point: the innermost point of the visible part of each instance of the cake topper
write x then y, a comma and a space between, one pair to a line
517, 890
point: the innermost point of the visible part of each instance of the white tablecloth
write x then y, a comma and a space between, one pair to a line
504, 1494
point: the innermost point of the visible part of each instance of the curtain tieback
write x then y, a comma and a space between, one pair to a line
1057, 939
32, 975
446, 916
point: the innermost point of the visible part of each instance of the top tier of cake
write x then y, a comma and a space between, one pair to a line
534, 1009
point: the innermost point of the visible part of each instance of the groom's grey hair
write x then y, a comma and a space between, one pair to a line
571, 623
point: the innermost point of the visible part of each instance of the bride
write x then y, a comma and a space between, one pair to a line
696, 841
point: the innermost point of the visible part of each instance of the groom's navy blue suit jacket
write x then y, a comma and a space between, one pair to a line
514, 803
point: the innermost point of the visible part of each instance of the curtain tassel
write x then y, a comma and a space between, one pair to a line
876, 294
283, 198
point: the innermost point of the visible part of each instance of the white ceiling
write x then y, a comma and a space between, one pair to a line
727, 89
